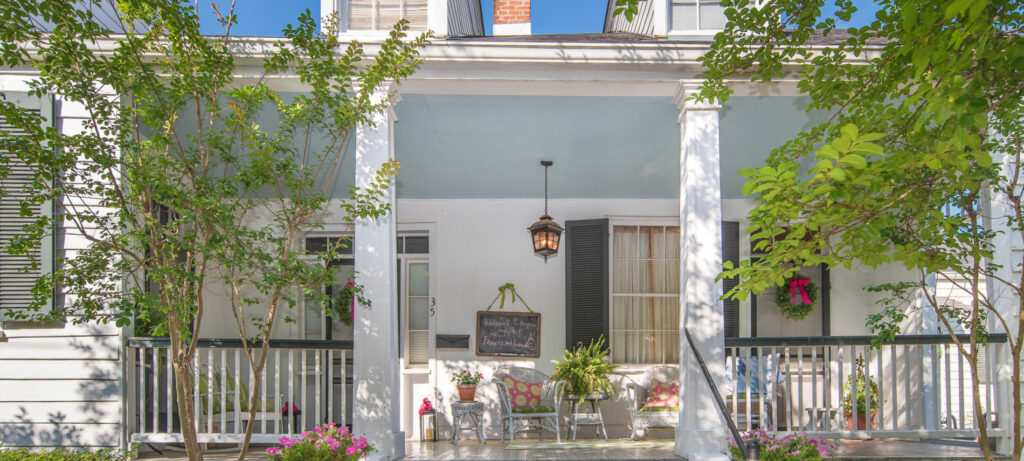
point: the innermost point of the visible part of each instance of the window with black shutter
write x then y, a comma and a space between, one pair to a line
586, 281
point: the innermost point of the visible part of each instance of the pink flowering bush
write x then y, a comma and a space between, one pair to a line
793, 447
329, 442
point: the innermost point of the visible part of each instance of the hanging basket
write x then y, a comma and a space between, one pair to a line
797, 297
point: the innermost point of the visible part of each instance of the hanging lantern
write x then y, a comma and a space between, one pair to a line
428, 426
546, 233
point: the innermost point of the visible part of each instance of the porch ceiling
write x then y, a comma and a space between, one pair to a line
468, 146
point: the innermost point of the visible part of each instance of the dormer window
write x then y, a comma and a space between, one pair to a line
697, 17
383, 14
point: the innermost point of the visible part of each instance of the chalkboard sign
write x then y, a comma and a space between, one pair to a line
508, 334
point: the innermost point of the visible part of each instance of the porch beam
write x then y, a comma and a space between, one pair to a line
702, 429
376, 355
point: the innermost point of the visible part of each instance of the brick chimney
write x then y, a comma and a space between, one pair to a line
511, 17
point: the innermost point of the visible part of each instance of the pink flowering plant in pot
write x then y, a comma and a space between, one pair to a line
793, 447
329, 442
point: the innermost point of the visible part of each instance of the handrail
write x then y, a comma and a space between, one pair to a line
854, 340
236, 343
714, 391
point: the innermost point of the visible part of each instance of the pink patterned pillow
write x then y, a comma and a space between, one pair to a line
523, 394
663, 395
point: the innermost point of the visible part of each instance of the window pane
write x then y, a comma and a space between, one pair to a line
360, 13
712, 15
417, 245
418, 313
418, 279
645, 301
388, 13
684, 15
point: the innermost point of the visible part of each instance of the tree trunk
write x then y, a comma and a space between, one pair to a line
184, 390
257, 385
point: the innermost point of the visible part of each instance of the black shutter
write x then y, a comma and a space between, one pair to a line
731, 252
586, 281
18, 273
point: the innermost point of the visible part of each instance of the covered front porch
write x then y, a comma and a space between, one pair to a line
656, 174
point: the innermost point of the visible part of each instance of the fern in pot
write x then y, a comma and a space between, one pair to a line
586, 370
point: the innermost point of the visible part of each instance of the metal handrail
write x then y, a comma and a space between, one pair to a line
854, 340
235, 343
714, 391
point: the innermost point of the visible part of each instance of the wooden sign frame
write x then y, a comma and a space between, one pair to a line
479, 314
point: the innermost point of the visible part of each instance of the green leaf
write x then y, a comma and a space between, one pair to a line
853, 160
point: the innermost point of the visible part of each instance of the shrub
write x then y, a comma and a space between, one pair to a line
325, 443
62, 454
793, 447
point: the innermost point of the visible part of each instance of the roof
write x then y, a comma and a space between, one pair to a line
834, 37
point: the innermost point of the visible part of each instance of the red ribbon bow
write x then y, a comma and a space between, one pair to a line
426, 406
799, 284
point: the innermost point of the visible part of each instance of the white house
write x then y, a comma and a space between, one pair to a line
645, 184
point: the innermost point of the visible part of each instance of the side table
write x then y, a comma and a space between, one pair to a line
472, 411
594, 418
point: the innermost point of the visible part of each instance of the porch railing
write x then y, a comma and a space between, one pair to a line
799, 385
305, 383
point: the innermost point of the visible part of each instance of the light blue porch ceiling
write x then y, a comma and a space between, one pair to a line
459, 146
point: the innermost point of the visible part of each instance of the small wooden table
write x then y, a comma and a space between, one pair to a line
472, 411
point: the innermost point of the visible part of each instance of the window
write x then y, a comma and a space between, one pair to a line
645, 294
383, 14
414, 297
692, 15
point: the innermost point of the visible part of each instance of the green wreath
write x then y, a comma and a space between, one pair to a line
784, 299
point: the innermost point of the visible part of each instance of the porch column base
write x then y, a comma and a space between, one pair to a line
389, 445
700, 445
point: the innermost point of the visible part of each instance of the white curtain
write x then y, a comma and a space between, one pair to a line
645, 294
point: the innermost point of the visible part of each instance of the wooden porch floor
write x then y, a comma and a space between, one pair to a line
849, 450
852, 450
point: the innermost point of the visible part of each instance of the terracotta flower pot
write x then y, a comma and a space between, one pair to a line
466, 392
862, 420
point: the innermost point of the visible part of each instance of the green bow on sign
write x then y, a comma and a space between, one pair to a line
510, 290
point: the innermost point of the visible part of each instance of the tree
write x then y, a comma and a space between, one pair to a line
177, 181
925, 134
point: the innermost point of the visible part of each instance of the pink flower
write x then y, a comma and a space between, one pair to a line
332, 443
273, 451
286, 442
359, 443
351, 450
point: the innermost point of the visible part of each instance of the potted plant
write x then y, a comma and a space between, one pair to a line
585, 370
857, 396
466, 383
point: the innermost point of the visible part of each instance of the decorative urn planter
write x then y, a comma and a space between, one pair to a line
467, 392
862, 420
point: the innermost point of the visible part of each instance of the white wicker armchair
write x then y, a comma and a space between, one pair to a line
540, 417
642, 418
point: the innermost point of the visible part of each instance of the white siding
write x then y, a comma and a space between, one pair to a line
60, 385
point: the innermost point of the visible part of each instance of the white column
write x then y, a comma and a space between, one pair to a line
702, 429
1003, 298
376, 361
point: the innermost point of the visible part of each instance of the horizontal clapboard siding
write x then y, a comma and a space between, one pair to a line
60, 385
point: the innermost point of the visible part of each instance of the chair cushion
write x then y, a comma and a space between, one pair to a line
653, 409
662, 395
533, 409
522, 394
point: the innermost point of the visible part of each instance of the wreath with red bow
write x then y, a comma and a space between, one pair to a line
796, 297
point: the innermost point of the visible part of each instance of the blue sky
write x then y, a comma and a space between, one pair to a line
269, 17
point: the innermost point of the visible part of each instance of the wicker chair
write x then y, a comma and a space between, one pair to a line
642, 418
539, 418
